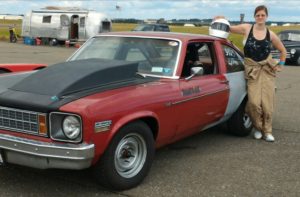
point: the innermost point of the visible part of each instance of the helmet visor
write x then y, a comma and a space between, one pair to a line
220, 26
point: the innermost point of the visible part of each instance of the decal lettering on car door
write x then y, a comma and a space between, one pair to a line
190, 91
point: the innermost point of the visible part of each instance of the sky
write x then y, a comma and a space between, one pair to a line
279, 10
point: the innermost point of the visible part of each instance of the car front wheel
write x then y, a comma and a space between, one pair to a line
240, 123
128, 158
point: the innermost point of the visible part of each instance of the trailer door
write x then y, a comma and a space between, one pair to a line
106, 26
81, 30
74, 27
64, 30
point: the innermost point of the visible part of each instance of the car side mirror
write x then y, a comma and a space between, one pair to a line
195, 71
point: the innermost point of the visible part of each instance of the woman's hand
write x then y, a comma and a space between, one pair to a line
218, 17
278, 68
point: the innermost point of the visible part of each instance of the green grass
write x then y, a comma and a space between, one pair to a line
236, 39
4, 34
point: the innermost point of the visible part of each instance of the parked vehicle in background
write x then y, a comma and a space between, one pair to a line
12, 34
291, 41
120, 96
7, 68
152, 27
54, 24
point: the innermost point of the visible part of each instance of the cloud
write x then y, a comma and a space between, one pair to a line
142, 9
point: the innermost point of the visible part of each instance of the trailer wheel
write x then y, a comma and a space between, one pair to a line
53, 42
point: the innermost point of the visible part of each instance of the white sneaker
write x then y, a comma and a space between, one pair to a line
257, 134
269, 138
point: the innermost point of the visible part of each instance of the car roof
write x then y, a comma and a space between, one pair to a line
166, 35
153, 24
290, 31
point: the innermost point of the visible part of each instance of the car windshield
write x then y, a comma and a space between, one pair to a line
291, 36
155, 57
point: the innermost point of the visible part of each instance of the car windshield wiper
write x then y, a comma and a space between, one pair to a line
141, 75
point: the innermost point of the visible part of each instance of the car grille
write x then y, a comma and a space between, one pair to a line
19, 120
276, 54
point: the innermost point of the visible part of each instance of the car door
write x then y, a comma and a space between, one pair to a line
203, 98
235, 75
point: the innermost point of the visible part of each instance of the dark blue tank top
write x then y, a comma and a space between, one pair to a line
257, 50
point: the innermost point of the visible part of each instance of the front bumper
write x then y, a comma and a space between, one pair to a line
45, 155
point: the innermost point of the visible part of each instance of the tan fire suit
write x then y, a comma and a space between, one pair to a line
260, 78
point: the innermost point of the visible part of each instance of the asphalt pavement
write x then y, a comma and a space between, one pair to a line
210, 163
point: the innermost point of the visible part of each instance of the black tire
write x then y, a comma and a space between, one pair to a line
128, 168
14, 40
53, 42
3, 71
298, 61
240, 123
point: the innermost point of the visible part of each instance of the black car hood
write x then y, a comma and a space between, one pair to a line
56, 85
8, 80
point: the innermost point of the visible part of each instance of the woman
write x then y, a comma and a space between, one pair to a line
260, 71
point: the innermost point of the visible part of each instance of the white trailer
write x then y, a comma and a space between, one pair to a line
61, 24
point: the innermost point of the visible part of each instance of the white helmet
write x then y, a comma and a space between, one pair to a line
219, 28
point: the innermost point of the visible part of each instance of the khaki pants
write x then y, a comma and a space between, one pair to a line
260, 104
261, 91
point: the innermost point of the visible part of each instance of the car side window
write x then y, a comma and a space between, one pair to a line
199, 55
148, 28
161, 28
234, 61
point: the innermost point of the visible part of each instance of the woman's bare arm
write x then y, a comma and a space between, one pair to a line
237, 29
240, 29
278, 45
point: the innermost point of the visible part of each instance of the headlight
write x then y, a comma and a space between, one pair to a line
65, 127
293, 51
71, 127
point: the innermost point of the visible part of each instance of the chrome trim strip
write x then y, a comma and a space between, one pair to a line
196, 97
45, 149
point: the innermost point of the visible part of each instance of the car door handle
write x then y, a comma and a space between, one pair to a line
224, 82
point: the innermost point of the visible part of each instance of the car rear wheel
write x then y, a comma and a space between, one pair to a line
298, 61
128, 158
240, 123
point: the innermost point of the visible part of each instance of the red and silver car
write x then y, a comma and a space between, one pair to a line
117, 99
8, 68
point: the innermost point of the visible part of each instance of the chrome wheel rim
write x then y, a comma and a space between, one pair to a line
247, 121
130, 155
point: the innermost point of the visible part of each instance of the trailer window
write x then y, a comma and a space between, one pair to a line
82, 22
64, 19
105, 26
46, 19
